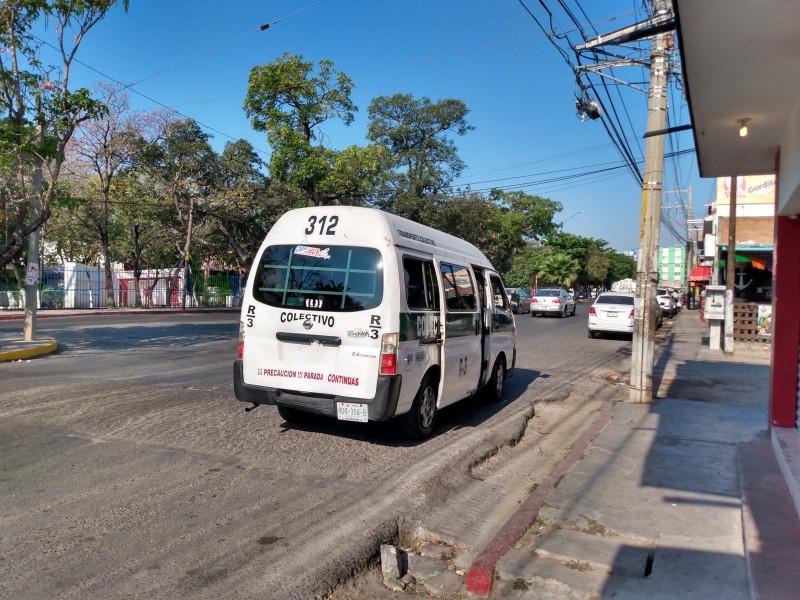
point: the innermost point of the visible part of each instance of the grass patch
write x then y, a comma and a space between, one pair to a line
577, 565
596, 528
520, 585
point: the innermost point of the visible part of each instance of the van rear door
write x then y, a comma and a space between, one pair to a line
317, 320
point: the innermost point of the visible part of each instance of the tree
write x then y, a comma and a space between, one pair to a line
185, 170
101, 148
559, 269
533, 215
358, 176
417, 133
244, 206
598, 264
525, 267
141, 219
40, 111
287, 101
622, 267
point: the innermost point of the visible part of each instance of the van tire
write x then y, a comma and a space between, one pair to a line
419, 421
494, 389
295, 415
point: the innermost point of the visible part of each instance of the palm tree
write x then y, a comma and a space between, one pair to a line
560, 269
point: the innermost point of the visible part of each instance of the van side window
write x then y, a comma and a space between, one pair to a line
420, 284
459, 289
499, 293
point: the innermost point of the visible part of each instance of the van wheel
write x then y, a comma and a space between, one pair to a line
418, 422
494, 389
294, 415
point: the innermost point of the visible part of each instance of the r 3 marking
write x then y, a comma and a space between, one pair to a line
251, 315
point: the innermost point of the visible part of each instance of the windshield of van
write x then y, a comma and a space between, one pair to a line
330, 278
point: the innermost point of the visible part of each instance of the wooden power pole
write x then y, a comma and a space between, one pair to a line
643, 345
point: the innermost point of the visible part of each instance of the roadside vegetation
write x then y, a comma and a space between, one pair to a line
108, 184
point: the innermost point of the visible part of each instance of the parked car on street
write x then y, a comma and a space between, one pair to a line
667, 302
554, 301
614, 312
519, 299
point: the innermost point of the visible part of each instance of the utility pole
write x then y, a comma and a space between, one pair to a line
643, 345
657, 28
730, 270
32, 270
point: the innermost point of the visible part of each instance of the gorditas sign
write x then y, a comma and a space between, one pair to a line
750, 189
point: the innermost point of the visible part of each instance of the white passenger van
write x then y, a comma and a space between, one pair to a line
362, 315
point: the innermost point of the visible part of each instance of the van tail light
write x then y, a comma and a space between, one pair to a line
592, 311
240, 353
389, 354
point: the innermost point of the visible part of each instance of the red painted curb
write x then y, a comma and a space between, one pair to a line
481, 573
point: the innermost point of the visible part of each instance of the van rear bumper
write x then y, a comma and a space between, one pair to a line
381, 407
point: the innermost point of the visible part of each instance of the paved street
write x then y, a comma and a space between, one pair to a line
130, 469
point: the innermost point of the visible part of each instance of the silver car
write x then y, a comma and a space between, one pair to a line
553, 301
519, 299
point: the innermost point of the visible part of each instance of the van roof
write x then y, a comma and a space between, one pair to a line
370, 227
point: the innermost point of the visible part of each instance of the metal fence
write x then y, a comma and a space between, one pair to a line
77, 286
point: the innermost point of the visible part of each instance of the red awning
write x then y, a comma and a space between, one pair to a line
700, 274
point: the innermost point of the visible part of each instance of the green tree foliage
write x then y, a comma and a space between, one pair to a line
622, 267
417, 133
39, 110
142, 217
289, 102
559, 269
184, 170
243, 206
597, 266
528, 215
525, 267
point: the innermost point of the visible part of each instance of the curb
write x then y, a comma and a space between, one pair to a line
481, 573
38, 348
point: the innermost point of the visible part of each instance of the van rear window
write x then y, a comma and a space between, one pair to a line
330, 278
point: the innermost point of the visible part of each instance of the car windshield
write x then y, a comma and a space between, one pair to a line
614, 299
548, 293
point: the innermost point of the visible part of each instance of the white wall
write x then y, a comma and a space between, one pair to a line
789, 183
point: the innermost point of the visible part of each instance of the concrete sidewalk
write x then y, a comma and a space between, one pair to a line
679, 499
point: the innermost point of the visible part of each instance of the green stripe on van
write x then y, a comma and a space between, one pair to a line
422, 326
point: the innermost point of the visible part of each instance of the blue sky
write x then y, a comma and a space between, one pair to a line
195, 56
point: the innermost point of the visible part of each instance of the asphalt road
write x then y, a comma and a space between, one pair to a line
128, 469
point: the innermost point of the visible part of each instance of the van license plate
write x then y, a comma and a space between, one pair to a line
347, 411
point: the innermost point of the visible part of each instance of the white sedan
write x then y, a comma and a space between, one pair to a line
554, 301
614, 312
